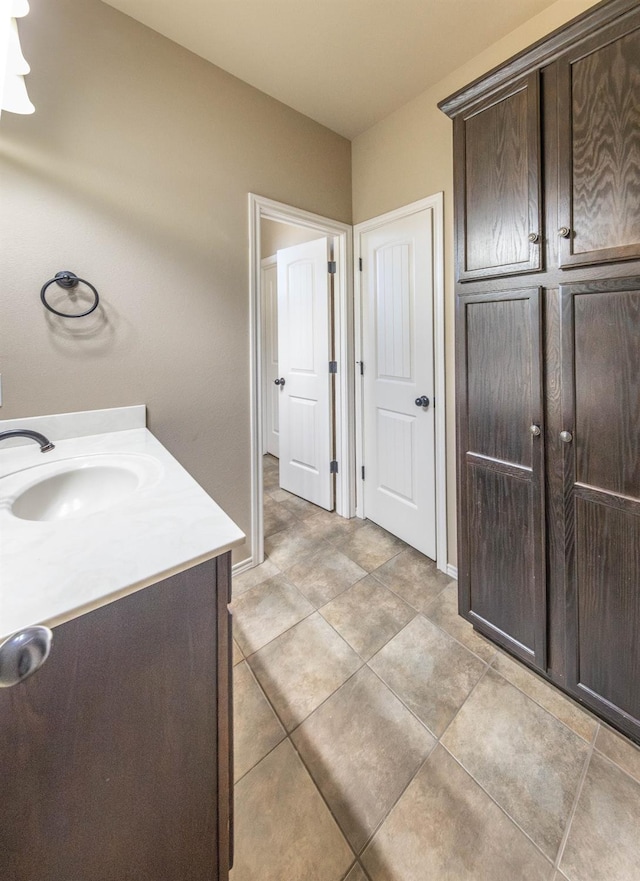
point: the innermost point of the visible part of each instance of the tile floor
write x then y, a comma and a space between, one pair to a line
379, 738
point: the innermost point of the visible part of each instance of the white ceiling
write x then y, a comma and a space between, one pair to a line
345, 63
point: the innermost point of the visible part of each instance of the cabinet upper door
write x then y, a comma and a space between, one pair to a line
497, 147
599, 129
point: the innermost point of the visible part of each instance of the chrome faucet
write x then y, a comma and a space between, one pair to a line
45, 443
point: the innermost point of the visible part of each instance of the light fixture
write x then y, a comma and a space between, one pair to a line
13, 66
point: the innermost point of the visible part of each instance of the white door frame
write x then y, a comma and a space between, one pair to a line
436, 204
261, 208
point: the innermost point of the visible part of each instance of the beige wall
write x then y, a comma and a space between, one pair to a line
274, 235
134, 173
408, 156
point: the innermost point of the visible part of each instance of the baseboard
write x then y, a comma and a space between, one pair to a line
242, 566
452, 571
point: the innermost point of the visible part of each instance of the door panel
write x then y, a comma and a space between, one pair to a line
271, 401
501, 546
501, 491
399, 441
304, 352
599, 122
601, 336
498, 184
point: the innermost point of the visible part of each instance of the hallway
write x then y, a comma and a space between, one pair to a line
379, 737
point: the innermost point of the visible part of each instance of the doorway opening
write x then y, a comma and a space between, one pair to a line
268, 221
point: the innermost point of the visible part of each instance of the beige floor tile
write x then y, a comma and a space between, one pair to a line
276, 517
367, 615
429, 671
284, 831
300, 508
271, 479
303, 667
266, 611
619, 750
324, 574
370, 546
603, 841
270, 463
286, 548
443, 611
527, 760
331, 527
546, 695
237, 653
256, 729
253, 577
414, 577
446, 828
362, 747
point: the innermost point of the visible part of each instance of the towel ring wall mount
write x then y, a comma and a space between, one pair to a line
68, 280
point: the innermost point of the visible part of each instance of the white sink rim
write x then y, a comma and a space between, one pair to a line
26, 494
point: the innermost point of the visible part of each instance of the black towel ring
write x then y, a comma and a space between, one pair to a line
68, 280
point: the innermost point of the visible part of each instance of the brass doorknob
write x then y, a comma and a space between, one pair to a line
535, 430
564, 232
534, 237
566, 437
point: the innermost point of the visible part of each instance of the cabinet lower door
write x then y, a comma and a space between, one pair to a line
601, 408
501, 488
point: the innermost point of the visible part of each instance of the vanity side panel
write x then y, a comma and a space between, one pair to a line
108, 753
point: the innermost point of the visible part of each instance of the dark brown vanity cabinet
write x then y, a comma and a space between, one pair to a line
115, 756
548, 357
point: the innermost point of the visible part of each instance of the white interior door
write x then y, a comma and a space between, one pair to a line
304, 340
270, 399
398, 434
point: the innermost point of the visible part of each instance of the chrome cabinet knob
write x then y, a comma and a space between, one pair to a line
535, 430
566, 437
23, 653
564, 232
280, 381
423, 401
534, 237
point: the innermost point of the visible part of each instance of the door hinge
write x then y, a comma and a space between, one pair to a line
363, 472
333, 466
360, 263
333, 366
332, 267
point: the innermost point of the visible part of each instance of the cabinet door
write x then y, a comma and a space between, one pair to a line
497, 147
599, 128
108, 763
601, 407
502, 572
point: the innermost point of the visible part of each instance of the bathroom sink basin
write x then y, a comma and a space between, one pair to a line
77, 487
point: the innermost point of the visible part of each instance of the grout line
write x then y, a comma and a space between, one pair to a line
572, 812
513, 821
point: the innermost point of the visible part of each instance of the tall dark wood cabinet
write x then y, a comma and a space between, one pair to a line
547, 181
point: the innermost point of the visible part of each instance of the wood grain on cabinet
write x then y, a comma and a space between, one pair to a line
113, 754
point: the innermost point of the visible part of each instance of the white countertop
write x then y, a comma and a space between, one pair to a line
52, 571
